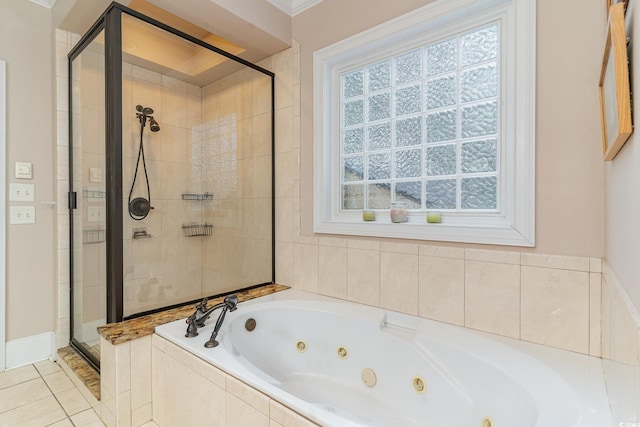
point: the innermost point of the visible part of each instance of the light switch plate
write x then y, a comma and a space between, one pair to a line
24, 170
22, 215
21, 192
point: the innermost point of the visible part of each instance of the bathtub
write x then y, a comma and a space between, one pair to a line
343, 364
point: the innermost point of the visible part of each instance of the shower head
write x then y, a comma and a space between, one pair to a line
144, 110
153, 125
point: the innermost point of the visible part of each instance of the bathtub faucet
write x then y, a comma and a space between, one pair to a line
202, 313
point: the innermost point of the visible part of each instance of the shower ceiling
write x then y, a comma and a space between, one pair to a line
265, 32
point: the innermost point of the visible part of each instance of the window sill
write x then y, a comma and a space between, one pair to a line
492, 231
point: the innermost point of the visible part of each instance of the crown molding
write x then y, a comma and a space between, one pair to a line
293, 7
46, 3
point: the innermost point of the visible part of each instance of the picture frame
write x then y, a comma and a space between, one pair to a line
615, 96
612, 2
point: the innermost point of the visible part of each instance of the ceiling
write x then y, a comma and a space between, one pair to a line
250, 29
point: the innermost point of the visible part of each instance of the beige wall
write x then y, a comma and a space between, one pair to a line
622, 185
569, 170
26, 44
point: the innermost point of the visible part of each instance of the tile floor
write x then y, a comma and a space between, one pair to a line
42, 394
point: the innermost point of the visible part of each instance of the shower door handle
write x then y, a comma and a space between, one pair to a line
73, 204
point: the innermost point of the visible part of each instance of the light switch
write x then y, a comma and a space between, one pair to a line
24, 170
21, 192
22, 215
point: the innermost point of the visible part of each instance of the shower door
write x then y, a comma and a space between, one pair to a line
88, 224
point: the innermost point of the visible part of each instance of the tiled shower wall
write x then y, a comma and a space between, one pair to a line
165, 268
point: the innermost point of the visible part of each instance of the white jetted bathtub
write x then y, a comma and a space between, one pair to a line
343, 364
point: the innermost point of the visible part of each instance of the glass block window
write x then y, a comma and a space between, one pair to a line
423, 127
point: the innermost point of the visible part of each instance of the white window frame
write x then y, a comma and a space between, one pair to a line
515, 223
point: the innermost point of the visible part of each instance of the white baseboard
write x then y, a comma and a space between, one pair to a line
34, 348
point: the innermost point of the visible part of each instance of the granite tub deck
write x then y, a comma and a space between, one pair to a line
118, 333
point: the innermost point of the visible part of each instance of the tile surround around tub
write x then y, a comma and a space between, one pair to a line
620, 349
550, 300
180, 382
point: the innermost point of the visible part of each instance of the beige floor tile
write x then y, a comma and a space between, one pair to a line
64, 423
87, 418
42, 412
47, 367
23, 394
17, 376
72, 401
58, 382
149, 424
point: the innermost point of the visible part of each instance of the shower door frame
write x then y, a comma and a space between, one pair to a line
104, 23
111, 22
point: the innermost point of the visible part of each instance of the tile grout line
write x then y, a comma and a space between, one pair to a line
53, 394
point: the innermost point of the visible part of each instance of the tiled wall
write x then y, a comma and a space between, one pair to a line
125, 382
620, 350
187, 390
166, 268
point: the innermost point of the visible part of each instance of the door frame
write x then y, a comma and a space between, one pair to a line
3, 222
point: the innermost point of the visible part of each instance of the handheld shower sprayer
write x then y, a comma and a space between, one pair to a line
139, 207
144, 113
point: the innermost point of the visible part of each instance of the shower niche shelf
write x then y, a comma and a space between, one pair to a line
196, 230
140, 233
93, 194
197, 196
93, 236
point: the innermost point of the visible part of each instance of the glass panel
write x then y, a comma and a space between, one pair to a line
379, 76
89, 219
408, 67
442, 57
353, 196
353, 84
441, 194
353, 112
408, 132
441, 92
353, 169
353, 141
479, 120
408, 100
379, 106
480, 45
410, 193
479, 193
441, 160
479, 83
209, 164
408, 163
441, 126
479, 156
379, 196
379, 136
380, 166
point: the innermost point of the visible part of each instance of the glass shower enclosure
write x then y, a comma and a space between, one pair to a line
171, 176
